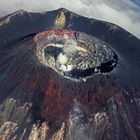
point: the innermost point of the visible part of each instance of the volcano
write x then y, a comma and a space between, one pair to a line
67, 77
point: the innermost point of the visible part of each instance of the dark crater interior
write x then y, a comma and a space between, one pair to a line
74, 54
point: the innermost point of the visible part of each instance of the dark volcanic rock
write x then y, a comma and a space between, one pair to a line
38, 103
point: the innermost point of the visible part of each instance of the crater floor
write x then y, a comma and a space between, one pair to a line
74, 54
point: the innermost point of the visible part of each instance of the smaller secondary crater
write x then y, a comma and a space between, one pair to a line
74, 54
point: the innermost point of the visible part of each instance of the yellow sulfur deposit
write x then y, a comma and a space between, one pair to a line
60, 21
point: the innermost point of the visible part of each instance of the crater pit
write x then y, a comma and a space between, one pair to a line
74, 54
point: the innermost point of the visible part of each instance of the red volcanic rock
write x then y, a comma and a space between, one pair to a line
56, 104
